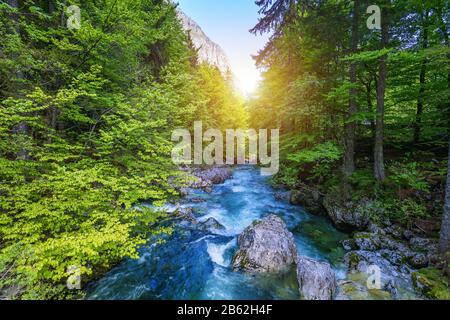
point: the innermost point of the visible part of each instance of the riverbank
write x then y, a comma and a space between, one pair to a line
196, 261
405, 257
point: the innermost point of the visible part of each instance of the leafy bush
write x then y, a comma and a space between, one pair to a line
322, 158
287, 176
408, 176
363, 183
404, 211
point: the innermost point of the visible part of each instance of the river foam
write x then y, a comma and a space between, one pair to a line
195, 264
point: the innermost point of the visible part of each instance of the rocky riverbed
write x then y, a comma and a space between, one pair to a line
399, 253
268, 246
237, 238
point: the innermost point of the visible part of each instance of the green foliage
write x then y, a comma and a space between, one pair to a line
432, 283
313, 76
399, 199
321, 159
86, 118
224, 108
327, 152
363, 182
287, 177
404, 211
408, 176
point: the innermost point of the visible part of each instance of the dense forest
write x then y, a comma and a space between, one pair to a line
86, 117
85, 127
364, 113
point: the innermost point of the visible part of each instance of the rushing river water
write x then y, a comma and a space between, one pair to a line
195, 264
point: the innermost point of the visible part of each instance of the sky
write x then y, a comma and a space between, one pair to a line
227, 22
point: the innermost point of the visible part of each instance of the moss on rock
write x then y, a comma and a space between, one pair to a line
355, 288
431, 283
353, 259
322, 234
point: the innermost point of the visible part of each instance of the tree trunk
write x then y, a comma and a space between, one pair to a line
53, 112
14, 4
379, 170
420, 100
444, 243
445, 230
350, 127
423, 72
443, 27
20, 130
368, 86
51, 6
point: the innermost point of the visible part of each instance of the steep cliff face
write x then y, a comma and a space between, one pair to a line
209, 51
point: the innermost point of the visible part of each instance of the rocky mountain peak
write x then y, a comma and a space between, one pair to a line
208, 50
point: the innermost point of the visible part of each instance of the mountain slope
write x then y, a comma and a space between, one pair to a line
209, 51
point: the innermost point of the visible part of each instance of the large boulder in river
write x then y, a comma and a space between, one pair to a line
211, 225
265, 246
347, 217
316, 280
214, 175
185, 214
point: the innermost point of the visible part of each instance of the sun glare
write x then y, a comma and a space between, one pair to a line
247, 81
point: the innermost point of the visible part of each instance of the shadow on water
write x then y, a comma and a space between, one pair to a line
194, 264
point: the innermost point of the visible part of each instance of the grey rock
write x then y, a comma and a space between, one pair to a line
206, 179
386, 222
395, 231
395, 245
341, 295
197, 200
215, 175
208, 51
419, 261
391, 287
265, 246
186, 214
420, 244
355, 261
351, 290
316, 280
208, 189
367, 241
408, 235
282, 196
349, 245
200, 183
211, 225
184, 192
393, 257
347, 217
375, 229
359, 261
393, 250
357, 290
311, 200
396, 258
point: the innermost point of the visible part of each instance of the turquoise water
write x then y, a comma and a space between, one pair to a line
194, 264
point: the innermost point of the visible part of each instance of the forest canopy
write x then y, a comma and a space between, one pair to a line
361, 106
86, 117
364, 111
